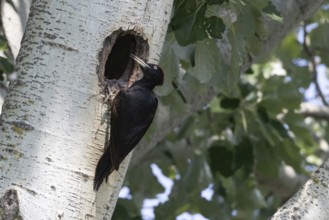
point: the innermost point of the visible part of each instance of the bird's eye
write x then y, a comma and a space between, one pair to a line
155, 67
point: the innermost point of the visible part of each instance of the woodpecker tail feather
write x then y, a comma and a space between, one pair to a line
103, 169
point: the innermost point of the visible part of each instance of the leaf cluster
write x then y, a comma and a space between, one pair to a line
234, 147
244, 136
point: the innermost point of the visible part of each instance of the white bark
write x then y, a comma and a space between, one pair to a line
52, 135
311, 202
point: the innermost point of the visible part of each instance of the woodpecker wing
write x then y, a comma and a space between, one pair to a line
132, 112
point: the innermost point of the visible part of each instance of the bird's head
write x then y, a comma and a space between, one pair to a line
150, 71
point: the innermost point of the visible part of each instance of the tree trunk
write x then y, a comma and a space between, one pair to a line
311, 202
54, 124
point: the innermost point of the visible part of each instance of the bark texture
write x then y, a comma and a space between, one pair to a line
311, 202
52, 124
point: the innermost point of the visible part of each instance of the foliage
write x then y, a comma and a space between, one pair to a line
247, 132
6, 59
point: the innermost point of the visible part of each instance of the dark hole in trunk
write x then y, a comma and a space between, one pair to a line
118, 60
115, 62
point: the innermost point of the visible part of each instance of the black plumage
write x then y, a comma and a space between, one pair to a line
132, 112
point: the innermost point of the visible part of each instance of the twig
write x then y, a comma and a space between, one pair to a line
179, 92
312, 66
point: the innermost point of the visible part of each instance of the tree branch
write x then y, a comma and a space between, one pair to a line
317, 112
311, 201
312, 65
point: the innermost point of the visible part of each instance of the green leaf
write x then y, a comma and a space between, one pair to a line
219, 2
170, 65
271, 11
320, 43
235, 66
125, 209
175, 102
248, 198
258, 127
3, 43
193, 173
247, 91
228, 160
267, 160
6, 66
289, 48
247, 22
220, 160
244, 155
277, 125
221, 121
303, 133
215, 27
207, 58
188, 22
230, 103
291, 155
185, 54
262, 114
257, 4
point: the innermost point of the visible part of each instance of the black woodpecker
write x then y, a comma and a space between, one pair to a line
132, 112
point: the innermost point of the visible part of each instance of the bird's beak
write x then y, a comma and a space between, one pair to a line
140, 61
